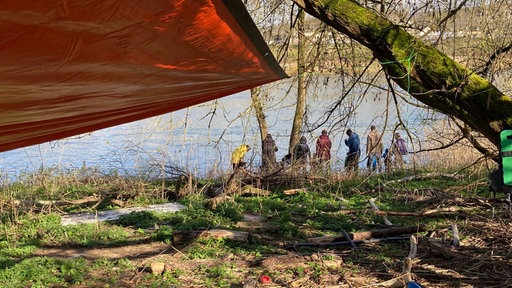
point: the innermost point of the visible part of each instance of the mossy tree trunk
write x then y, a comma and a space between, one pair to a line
419, 68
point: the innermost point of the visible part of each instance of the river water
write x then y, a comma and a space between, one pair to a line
200, 141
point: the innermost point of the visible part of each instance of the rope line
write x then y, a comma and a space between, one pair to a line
408, 66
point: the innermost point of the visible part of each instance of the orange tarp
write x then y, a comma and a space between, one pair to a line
74, 66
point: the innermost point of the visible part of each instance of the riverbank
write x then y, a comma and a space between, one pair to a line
261, 234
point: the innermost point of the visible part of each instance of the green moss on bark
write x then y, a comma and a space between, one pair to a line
429, 75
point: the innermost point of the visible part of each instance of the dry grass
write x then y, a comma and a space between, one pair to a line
455, 156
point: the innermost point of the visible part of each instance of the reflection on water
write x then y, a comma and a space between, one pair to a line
201, 138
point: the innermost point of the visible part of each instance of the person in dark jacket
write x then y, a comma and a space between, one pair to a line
388, 160
353, 143
268, 157
301, 151
301, 155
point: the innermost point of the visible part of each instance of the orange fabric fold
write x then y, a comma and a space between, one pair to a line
70, 67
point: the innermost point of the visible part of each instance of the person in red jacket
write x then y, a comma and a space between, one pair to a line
323, 149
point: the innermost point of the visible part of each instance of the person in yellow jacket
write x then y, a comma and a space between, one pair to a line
238, 154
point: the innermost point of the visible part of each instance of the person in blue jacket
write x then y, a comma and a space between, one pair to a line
354, 150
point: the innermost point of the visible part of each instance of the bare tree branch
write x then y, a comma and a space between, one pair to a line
494, 56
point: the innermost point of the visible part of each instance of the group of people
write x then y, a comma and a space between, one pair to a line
393, 156
301, 153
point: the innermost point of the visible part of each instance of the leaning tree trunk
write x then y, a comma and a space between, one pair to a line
419, 68
258, 109
300, 107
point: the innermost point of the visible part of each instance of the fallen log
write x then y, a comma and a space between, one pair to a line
85, 200
429, 213
250, 190
239, 236
97, 200
430, 175
438, 248
181, 237
294, 191
445, 210
336, 243
213, 203
377, 233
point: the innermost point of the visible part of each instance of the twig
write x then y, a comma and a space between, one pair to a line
374, 206
426, 176
455, 232
406, 276
414, 247
179, 251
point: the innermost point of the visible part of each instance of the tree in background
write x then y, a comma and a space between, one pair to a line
449, 56
419, 68
300, 106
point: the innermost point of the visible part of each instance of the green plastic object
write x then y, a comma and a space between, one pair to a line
506, 156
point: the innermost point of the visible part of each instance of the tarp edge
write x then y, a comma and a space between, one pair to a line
240, 13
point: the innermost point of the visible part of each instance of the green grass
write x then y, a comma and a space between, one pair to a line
289, 218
